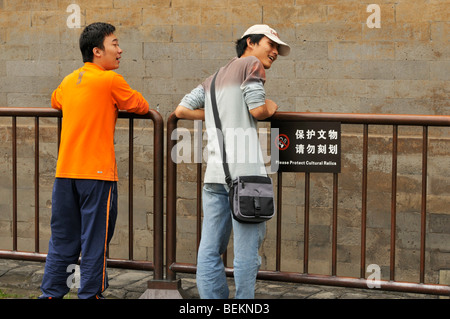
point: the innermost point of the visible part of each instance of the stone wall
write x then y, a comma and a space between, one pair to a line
348, 56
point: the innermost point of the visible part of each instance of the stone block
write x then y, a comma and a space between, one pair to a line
32, 68
37, 35
440, 30
328, 32
29, 100
412, 70
417, 11
48, 18
171, 16
444, 277
20, 5
422, 50
438, 70
132, 17
86, 4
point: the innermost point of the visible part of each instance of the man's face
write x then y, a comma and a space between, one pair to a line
110, 56
266, 51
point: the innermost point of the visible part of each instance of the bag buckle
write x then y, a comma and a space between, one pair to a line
257, 203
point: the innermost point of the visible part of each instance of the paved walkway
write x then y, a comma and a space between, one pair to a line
21, 280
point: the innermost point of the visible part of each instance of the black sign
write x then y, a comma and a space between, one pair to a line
306, 147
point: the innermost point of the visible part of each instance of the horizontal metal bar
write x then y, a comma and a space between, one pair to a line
355, 282
348, 118
131, 264
29, 111
355, 118
115, 263
21, 255
49, 112
337, 281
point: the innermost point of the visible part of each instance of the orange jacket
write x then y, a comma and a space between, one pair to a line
90, 98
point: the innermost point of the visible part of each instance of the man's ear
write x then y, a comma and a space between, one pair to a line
250, 44
97, 52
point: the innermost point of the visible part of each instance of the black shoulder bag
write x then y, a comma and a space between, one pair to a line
251, 197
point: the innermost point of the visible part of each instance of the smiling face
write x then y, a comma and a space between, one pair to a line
109, 57
266, 51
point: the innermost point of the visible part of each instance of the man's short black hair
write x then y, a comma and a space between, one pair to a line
241, 44
92, 37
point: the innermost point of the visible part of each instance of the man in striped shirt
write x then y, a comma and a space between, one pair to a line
241, 102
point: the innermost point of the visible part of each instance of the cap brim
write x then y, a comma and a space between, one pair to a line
284, 48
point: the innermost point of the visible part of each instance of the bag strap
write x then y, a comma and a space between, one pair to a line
219, 128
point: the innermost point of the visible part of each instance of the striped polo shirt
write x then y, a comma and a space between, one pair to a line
239, 89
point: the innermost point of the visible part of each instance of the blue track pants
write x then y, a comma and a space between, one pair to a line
83, 218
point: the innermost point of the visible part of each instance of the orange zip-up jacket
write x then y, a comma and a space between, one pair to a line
90, 98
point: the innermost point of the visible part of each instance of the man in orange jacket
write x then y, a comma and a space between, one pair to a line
84, 199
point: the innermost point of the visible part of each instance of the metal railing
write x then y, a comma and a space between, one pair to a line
172, 266
158, 163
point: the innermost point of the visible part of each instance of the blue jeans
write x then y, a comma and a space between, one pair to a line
216, 230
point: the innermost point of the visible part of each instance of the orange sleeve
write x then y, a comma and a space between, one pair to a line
126, 98
57, 99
